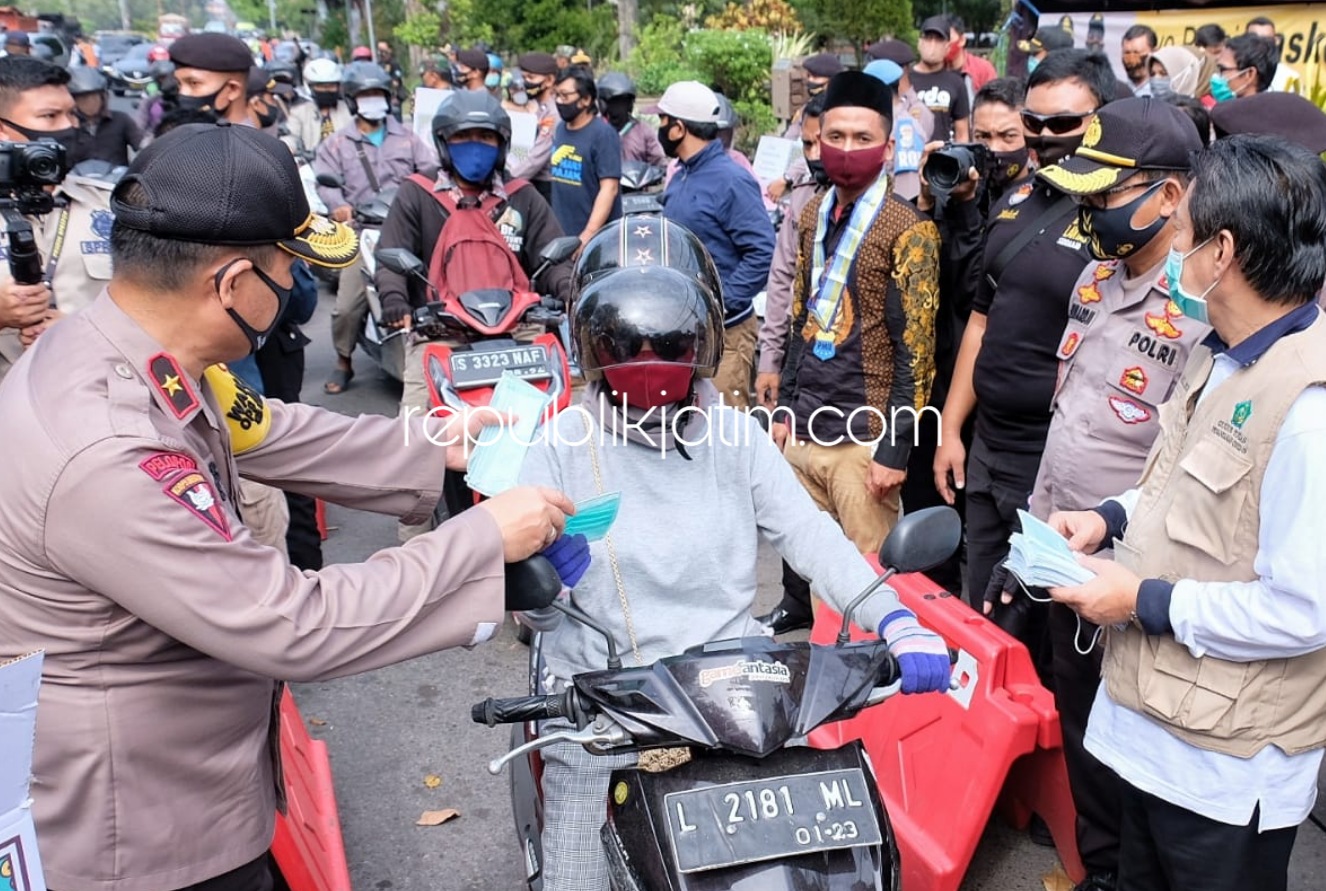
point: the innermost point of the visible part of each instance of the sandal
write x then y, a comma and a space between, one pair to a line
339, 381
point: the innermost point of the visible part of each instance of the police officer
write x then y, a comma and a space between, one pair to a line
213, 74
539, 70
1120, 355
73, 237
163, 621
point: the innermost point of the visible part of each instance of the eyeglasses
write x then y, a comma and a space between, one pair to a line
563, 96
1058, 124
1225, 69
1101, 200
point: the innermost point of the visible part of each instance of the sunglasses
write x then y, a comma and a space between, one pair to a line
1058, 124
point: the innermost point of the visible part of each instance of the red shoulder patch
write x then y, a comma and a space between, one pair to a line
198, 497
164, 464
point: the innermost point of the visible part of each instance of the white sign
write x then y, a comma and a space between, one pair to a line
524, 130
773, 157
426, 101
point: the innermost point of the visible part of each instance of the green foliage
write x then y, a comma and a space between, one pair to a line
736, 62
335, 33
519, 25
422, 29
657, 59
757, 119
859, 21
978, 15
465, 26
791, 46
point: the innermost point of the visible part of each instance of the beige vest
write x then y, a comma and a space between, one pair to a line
1198, 518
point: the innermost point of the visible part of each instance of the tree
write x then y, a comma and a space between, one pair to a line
859, 21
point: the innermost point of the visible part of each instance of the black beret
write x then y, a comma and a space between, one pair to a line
211, 52
894, 50
538, 63
823, 65
857, 89
474, 59
1273, 114
260, 82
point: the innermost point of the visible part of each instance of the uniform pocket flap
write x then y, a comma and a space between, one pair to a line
1214, 466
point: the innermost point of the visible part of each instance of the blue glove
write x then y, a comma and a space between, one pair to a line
569, 555
922, 655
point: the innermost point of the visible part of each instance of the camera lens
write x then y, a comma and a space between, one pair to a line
946, 168
44, 162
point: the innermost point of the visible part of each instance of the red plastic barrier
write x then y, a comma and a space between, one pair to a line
320, 515
944, 760
308, 847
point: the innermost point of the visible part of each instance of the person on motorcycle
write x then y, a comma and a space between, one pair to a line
372, 153
312, 122
701, 484
617, 101
162, 93
472, 133
102, 134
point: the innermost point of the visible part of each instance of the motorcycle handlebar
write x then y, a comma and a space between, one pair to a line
518, 709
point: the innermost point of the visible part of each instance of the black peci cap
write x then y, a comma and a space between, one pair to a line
1273, 114
224, 185
211, 52
1122, 138
859, 90
823, 65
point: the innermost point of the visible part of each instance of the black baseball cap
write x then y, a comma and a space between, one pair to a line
936, 24
210, 51
1122, 138
226, 185
1273, 114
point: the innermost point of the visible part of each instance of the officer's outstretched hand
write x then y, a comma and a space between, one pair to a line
530, 517
462, 432
22, 306
921, 653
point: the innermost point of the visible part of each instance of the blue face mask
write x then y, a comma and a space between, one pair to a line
1032, 62
1220, 89
1192, 307
492, 81
473, 161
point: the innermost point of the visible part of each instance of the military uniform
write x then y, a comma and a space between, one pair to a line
77, 236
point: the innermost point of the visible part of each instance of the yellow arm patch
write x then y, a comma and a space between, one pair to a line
245, 409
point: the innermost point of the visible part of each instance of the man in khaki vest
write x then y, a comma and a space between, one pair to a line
1213, 707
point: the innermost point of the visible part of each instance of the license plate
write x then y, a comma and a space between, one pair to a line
737, 823
476, 368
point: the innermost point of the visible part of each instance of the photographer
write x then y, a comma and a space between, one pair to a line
1029, 254
70, 219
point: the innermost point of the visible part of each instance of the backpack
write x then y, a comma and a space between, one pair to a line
470, 253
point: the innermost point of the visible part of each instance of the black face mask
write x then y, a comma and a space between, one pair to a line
569, 111
1008, 166
64, 137
816, 169
267, 118
201, 103
1111, 229
255, 337
618, 115
669, 144
325, 99
1053, 149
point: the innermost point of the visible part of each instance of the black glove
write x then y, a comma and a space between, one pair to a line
395, 310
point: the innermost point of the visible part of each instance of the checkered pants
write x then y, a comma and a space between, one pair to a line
575, 796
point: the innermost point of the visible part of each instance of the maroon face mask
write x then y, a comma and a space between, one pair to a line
649, 383
852, 170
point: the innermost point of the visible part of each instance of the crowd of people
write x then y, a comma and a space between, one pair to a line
1109, 320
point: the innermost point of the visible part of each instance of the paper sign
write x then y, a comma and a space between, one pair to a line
773, 157
524, 130
426, 101
20, 867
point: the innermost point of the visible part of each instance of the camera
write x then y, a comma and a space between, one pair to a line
26, 168
947, 167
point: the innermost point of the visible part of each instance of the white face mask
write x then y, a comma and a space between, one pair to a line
373, 108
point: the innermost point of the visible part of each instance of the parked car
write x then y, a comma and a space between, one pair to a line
112, 46
49, 48
132, 73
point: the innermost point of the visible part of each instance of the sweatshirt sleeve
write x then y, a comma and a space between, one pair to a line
910, 305
402, 229
752, 237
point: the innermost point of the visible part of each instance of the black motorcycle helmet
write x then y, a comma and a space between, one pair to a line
615, 314
462, 110
727, 121
646, 240
84, 80
283, 72
615, 85
360, 77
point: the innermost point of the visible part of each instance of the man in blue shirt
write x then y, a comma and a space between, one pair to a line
586, 163
721, 204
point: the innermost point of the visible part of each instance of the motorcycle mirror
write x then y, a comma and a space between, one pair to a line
560, 249
399, 261
330, 180
922, 540
532, 583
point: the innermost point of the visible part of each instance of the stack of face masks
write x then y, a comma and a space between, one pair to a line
594, 516
495, 464
1040, 557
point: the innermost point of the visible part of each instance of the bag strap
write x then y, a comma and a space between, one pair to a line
612, 549
368, 168
1052, 214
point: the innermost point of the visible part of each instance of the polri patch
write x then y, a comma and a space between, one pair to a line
173, 384
197, 495
164, 464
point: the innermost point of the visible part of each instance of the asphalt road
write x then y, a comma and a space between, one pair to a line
389, 730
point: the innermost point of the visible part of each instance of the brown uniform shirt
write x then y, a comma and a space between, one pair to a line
1119, 358
164, 622
535, 165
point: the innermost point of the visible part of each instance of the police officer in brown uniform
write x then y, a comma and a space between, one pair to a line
1121, 353
163, 621
539, 70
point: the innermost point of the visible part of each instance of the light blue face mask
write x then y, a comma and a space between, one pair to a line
1220, 89
1192, 307
1032, 62
594, 516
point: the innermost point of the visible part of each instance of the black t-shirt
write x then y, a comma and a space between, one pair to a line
1026, 314
945, 94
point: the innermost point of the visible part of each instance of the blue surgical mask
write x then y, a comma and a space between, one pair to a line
473, 161
492, 81
1192, 307
1032, 62
1220, 89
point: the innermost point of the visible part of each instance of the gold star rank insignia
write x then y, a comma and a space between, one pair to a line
172, 385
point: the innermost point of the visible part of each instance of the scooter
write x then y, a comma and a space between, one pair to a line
641, 185
479, 327
754, 809
374, 339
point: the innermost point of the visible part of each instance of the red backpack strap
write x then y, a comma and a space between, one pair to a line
442, 197
515, 185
